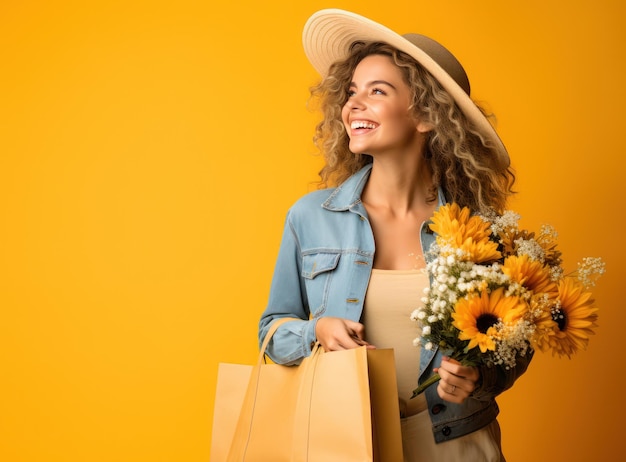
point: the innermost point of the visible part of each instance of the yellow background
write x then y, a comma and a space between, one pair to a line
149, 151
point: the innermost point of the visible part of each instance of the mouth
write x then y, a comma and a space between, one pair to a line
358, 127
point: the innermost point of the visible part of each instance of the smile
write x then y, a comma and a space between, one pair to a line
357, 124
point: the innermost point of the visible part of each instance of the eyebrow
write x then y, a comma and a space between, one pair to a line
375, 82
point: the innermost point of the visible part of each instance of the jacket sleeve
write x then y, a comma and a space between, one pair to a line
292, 341
495, 380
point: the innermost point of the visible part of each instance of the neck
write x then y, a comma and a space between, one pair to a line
400, 187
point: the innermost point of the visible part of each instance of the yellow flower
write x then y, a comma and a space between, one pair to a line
531, 274
476, 317
542, 319
509, 239
455, 227
574, 319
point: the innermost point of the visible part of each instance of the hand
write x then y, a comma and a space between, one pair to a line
457, 381
340, 334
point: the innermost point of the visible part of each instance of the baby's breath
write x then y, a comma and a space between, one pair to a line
501, 223
589, 270
530, 247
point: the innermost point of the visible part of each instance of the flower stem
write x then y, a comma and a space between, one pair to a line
425, 384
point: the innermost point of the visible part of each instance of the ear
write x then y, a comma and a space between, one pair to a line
424, 127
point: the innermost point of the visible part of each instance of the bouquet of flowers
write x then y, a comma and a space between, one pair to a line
498, 291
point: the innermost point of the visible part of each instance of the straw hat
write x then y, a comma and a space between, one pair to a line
328, 35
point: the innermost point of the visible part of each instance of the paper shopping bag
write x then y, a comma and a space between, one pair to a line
337, 406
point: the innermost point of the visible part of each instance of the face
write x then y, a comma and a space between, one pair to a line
377, 115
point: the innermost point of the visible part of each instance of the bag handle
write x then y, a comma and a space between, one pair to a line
270, 333
302, 421
242, 432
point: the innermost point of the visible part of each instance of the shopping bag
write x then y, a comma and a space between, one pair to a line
337, 406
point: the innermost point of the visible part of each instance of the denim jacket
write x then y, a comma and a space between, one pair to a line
323, 269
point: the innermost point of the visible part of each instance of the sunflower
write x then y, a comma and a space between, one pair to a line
532, 274
457, 228
511, 238
477, 317
545, 326
574, 318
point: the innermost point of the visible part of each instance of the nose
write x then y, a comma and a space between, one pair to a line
355, 102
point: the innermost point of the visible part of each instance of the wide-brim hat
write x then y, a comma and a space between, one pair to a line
328, 35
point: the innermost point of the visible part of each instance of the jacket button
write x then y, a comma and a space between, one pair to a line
437, 408
446, 431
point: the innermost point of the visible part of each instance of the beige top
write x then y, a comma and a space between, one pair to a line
391, 297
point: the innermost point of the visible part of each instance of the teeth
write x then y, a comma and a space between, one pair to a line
362, 124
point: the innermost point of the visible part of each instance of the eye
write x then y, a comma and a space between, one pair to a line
350, 93
378, 91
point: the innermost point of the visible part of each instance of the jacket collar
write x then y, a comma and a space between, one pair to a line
348, 194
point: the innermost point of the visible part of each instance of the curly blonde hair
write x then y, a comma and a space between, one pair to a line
462, 161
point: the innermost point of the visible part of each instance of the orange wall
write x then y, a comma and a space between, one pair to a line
148, 153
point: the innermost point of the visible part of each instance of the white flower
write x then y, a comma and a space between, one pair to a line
531, 248
508, 220
589, 270
548, 233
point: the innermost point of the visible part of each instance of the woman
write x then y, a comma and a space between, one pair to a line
401, 137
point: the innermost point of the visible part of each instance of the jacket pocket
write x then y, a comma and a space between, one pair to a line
314, 264
317, 272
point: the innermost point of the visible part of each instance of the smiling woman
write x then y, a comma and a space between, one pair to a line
401, 137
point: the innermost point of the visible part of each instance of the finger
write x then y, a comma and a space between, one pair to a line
455, 384
346, 340
448, 387
450, 360
452, 366
358, 341
456, 369
452, 394
350, 342
447, 392
356, 329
